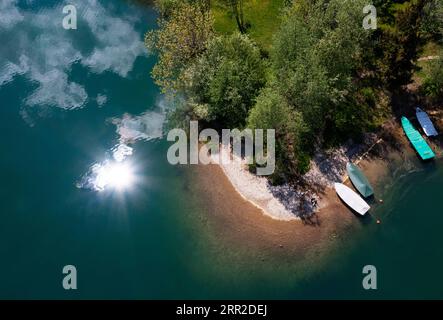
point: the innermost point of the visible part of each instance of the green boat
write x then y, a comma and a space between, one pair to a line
359, 180
420, 145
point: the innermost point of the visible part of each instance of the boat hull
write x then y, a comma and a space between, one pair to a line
426, 123
352, 199
359, 180
417, 141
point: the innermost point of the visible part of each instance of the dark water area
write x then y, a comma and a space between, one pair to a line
404, 248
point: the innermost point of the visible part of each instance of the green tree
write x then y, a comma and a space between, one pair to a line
433, 20
316, 57
227, 78
180, 39
165, 7
433, 82
273, 112
400, 40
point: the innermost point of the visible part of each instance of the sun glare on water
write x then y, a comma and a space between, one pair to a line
114, 175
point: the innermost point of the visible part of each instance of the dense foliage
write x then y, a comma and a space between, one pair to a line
227, 78
433, 82
273, 111
322, 80
181, 38
316, 55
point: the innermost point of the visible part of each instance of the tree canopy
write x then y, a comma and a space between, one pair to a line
227, 77
180, 39
323, 79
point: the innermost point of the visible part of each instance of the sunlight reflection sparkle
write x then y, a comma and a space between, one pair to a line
117, 175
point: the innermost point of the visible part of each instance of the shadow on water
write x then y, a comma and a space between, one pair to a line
365, 220
430, 165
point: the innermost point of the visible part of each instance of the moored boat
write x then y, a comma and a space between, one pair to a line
359, 180
352, 199
417, 141
425, 122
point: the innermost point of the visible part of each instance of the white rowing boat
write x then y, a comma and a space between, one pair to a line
351, 198
425, 122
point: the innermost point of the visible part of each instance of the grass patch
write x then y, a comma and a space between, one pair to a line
262, 16
431, 49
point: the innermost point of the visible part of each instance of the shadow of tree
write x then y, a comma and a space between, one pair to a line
311, 220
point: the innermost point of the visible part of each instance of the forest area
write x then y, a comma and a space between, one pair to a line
308, 69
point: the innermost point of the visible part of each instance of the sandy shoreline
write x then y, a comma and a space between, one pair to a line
286, 202
254, 188
238, 222
373, 156
237, 219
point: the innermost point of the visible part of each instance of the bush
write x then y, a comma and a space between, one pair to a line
433, 83
316, 55
272, 112
227, 78
165, 7
180, 40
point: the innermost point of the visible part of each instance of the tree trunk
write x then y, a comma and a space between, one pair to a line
237, 9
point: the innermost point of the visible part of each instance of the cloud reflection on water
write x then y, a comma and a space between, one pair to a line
37, 47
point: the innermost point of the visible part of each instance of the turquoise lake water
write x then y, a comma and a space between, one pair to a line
72, 101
